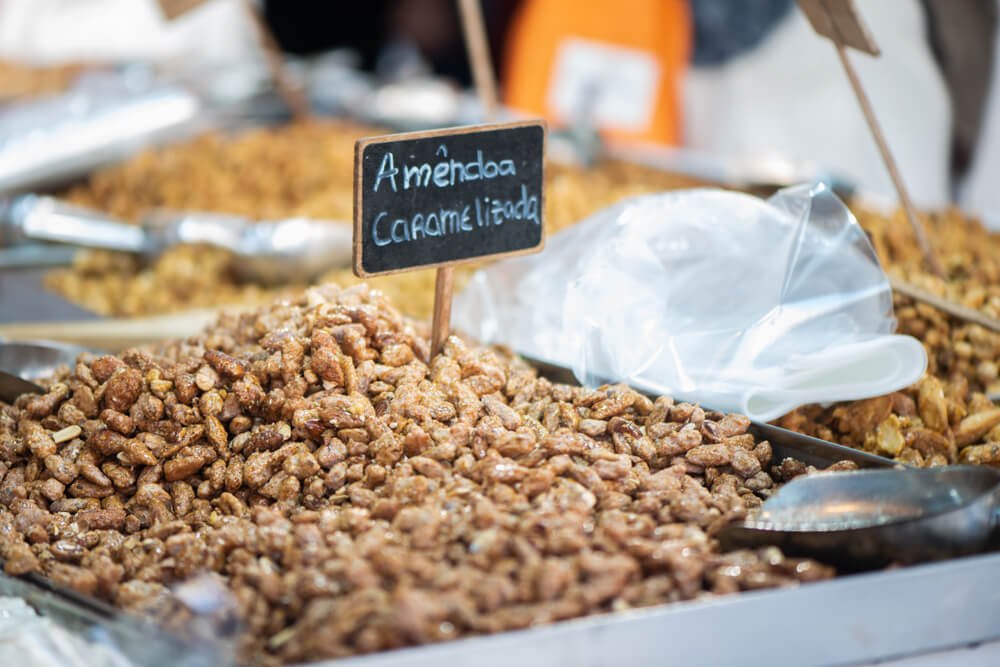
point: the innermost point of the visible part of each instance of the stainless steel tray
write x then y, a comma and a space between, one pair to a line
850, 620
853, 619
813, 451
860, 617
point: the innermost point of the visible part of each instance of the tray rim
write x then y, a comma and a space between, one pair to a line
652, 632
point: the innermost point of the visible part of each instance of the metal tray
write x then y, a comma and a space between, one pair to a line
813, 451
826, 623
826, 612
850, 620
859, 618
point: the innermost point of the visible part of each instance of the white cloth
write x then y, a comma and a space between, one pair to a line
790, 97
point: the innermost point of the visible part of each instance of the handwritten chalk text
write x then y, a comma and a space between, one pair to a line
444, 174
483, 213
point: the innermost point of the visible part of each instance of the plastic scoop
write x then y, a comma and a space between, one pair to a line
870, 517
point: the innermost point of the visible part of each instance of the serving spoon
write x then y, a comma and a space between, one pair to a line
868, 518
24, 361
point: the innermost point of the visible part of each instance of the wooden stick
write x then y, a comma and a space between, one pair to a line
474, 29
890, 163
441, 324
477, 46
944, 305
294, 97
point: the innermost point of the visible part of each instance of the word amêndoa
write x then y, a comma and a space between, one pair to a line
444, 174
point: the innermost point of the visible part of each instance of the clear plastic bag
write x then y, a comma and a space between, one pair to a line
738, 303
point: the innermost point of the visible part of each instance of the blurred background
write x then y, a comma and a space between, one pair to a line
163, 159
748, 80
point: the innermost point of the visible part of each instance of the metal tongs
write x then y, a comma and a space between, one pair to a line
267, 252
868, 518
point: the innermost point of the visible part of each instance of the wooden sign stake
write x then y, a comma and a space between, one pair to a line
444, 283
477, 46
436, 198
441, 324
840, 21
890, 163
173, 9
294, 97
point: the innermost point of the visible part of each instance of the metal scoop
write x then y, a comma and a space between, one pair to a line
870, 517
12, 386
266, 252
23, 362
37, 359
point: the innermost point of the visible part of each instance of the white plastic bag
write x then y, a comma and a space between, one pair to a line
738, 303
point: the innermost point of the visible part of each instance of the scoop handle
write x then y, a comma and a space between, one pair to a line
49, 219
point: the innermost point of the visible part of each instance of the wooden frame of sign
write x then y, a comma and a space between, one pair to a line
444, 184
173, 9
840, 21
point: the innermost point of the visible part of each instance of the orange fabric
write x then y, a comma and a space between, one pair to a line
661, 28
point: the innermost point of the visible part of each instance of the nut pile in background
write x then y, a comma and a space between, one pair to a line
946, 418
352, 497
19, 81
970, 256
297, 170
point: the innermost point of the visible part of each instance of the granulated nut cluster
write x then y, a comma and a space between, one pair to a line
353, 497
299, 170
970, 255
929, 424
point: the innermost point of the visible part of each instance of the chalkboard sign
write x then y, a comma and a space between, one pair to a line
426, 199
